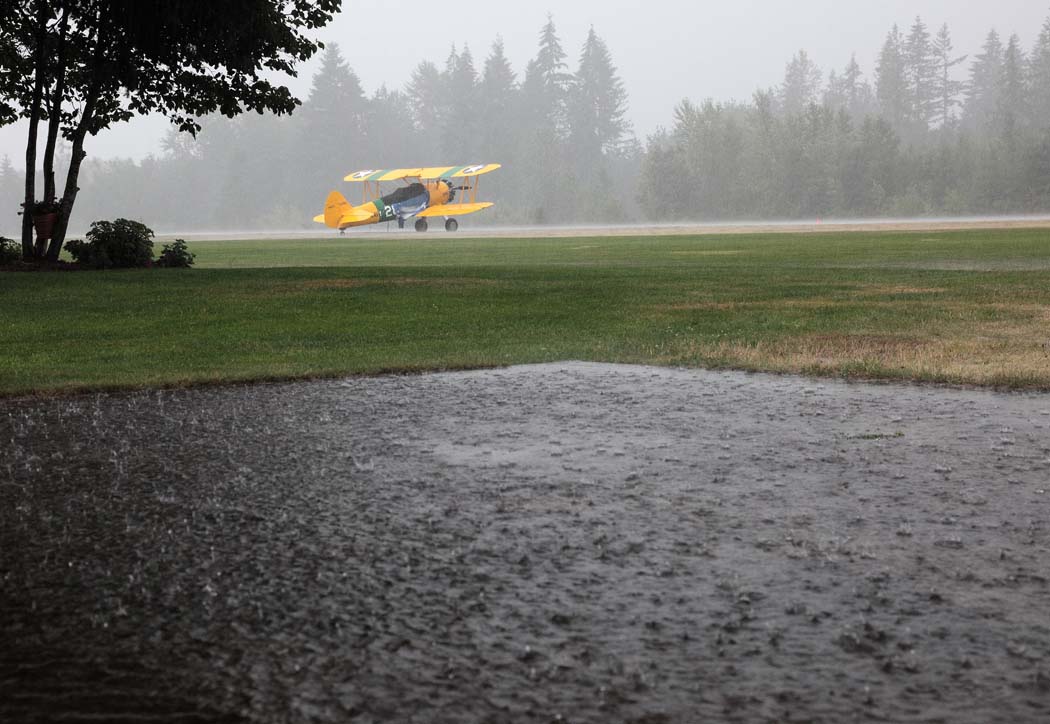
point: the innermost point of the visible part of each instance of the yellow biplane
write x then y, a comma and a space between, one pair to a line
428, 192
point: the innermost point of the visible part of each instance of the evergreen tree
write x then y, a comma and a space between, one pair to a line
546, 184
333, 117
459, 135
547, 80
801, 84
835, 92
392, 136
1012, 101
848, 91
336, 89
498, 83
891, 82
985, 85
497, 100
1039, 79
947, 88
427, 97
920, 70
598, 104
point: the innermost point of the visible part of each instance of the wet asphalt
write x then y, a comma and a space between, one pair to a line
568, 542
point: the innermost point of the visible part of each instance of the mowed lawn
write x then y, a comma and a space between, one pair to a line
963, 307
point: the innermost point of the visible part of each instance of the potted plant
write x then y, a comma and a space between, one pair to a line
45, 216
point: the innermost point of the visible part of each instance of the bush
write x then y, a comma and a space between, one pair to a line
176, 255
10, 251
118, 244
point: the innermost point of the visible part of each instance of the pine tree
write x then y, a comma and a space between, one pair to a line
426, 96
835, 92
1012, 102
801, 84
920, 69
598, 101
336, 100
332, 116
547, 80
848, 91
497, 97
459, 136
392, 136
947, 88
891, 83
1039, 79
498, 82
985, 85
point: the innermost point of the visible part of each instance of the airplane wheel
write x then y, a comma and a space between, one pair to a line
421, 224
451, 224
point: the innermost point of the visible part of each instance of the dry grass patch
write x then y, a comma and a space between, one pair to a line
815, 303
898, 289
974, 357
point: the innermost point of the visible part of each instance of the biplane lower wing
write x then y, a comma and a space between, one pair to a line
454, 209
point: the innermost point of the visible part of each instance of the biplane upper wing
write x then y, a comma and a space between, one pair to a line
428, 174
424, 174
382, 174
454, 209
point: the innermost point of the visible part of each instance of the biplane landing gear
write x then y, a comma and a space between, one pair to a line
421, 224
451, 224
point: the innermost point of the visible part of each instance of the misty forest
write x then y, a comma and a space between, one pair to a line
931, 130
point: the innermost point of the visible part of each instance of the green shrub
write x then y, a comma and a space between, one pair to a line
118, 244
176, 255
10, 251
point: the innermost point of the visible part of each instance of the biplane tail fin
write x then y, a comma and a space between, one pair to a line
340, 213
335, 208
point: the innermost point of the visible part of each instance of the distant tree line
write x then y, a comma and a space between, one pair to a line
915, 140
931, 131
561, 133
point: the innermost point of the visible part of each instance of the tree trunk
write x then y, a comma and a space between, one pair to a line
54, 122
28, 250
54, 113
69, 194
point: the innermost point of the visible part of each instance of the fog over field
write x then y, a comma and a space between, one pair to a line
946, 124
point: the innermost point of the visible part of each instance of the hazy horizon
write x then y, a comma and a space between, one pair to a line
674, 50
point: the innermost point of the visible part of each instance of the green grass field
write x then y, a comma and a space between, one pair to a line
965, 307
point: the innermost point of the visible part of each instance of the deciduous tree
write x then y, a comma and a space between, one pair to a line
83, 65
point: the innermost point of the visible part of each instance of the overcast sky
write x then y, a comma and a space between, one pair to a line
666, 50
